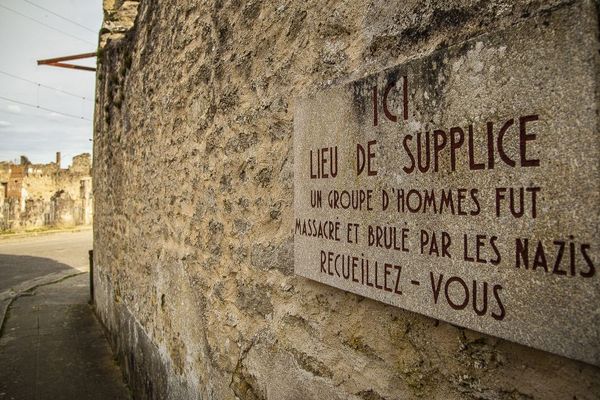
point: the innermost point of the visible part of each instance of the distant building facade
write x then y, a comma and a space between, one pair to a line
36, 195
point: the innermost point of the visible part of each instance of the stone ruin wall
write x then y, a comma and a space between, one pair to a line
41, 195
193, 175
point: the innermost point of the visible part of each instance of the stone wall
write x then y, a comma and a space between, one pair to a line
39, 195
193, 175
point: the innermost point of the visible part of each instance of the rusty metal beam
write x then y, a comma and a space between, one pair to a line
71, 66
56, 62
66, 58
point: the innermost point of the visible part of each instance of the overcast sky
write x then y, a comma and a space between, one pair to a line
30, 131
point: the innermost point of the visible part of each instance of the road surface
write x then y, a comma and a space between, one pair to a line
24, 259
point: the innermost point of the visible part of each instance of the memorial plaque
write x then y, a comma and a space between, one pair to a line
464, 185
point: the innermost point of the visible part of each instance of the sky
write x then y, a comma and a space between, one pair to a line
29, 130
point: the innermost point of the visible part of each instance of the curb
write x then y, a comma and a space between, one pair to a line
21, 235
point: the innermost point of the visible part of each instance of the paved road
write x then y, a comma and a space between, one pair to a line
51, 345
53, 348
23, 259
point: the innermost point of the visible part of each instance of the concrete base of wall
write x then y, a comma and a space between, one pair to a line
147, 372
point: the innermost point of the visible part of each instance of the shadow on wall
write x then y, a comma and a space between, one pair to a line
15, 269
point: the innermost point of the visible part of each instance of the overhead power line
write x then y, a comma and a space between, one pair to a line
45, 86
25, 115
46, 25
45, 109
60, 16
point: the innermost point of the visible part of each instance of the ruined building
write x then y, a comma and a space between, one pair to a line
37, 195
199, 110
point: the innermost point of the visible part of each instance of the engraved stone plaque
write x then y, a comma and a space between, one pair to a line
464, 185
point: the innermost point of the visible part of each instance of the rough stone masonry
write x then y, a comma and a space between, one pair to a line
194, 203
